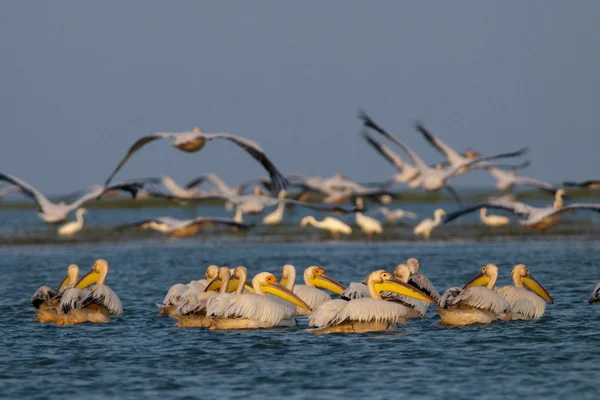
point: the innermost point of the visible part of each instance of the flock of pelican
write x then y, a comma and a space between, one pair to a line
224, 299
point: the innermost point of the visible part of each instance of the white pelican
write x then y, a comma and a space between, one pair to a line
192, 309
595, 297
45, 300
337, 189
53, 213
419, 280
523, 303
367, 224
70, 228
392, 215
425, 227
492, 220
506, 180
477, 303
191, 142
589, 184
175, 292
314, 280
333, 225
434, 179
251, 311
182, 227
532, 217
366, 314
276, 216
407, 173
94, 304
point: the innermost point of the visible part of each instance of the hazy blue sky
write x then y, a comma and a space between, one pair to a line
81, 80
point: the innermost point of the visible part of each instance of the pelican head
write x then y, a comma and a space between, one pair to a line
257, 191
223, 275
211, 272
197, 130
304, 221
402, 272
81, 211
486, 277
288, 272
359, 204
413, 265
383, 281
471, 154
96, 275
558, 198
266, 282
315, 277
520, 274
439, 213
282, 194
71, 278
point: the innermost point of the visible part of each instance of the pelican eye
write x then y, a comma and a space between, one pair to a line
271, 279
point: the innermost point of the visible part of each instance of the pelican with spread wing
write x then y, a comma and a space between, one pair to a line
46, 300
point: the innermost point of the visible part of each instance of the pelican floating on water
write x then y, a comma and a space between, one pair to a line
251, 311
366, 314
175, 292
193, 141
71, 228
425, 227
523, 303
314, 280
94, 304
45, 300
476, 303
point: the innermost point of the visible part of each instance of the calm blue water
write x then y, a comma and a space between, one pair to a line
141, 355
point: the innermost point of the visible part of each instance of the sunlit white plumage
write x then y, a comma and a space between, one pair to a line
175, 292
70, 228
425, 227
311, 292
525, 304
367, 224
493, 220
333, 225
392, 216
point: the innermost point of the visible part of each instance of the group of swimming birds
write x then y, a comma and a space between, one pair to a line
225, 299
334, 190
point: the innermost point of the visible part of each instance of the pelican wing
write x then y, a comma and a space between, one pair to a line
209, 221
522, 180
174, 294
408, 302
42, 295
279, 180
422, 283
370, 310
385, 151
356, 290
104, 296
524, 303
452, 171
326, 312
319, 207
312, 296
215, 305
515, 207
439, 145
575, 207
70, 299
482, 298
255, 308
590, 184
9, 189
135, 147
29, 190
212, 178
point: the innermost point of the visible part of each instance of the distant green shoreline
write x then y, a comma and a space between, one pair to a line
407, 197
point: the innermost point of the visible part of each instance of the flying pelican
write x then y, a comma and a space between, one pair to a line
532, 217
53, 213
70, 228
191, 142
251, 311
276, 216
595, 297
192, 309
9, 189
314, 279
425, 227
182, 228
333, 225
366, 314
591, 184
175, 292
476, 303
407, 173
523, 303
93, 305
45, 300
493, 220
506, 180
392, 215
434, 179
367, 224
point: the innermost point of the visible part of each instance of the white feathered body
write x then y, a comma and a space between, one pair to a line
477, 304
249, 310
524, 304
312, 296
364, 310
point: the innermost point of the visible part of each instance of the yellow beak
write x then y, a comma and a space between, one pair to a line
214, 285
64, 284
325, 282
281, 291
89, 279
537, 288
248, 287
396, 286
478, 280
